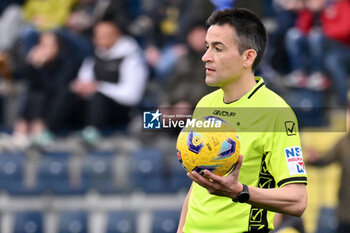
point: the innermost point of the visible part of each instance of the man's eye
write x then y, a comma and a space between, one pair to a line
218, 50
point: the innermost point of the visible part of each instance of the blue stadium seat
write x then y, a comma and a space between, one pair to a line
121, 222
12, 172
73, 222
147, 171
98, 172
179, 181
327, 220
309, 106
28, 222
54, 176
165, 221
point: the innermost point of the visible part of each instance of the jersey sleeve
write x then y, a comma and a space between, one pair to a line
283, 150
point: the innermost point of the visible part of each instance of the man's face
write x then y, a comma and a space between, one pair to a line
195, 39
105, 35
223, 63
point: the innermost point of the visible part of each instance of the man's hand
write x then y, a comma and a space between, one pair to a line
36, 56
290, 199
227, 186
84, 89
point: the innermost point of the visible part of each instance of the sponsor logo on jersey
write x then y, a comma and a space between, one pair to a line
294, 157
223, 113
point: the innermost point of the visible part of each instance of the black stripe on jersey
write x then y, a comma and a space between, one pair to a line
258, 231
302, 179
256, 89
258, 216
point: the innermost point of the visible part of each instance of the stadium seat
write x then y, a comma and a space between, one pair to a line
53, 174
165, 221
147, 171
179, 181
308, 106
12, 172
73, 222
98, 172
121, 222
28, 222
327, 221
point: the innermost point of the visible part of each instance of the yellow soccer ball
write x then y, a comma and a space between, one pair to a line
215, 147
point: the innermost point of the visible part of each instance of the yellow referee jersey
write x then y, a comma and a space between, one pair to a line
270, 143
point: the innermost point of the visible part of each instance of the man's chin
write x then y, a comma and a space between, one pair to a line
210, 82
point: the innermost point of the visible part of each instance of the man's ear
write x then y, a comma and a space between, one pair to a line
249, 57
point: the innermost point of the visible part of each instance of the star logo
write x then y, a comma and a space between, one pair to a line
151, 120
156, 115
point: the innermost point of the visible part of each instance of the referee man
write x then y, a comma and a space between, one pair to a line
270, 175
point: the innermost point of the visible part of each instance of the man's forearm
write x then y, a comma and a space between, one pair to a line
290, 199
184, 212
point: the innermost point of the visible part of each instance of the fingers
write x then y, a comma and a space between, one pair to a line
219, 185
201, 180
211, 176
237, 169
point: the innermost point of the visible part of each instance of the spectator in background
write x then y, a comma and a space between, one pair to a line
109, 84
339, 153
169, 20
304, 48
185, 85
10, 23
51, 65
336, 46
274, 60
323, 30
41, 16
87, 13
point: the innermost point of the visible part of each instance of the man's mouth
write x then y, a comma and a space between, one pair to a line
208, 69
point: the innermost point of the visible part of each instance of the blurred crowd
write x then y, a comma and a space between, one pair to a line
86, 68
91, 66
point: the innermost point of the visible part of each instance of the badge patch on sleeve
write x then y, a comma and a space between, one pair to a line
294, 157
290, 128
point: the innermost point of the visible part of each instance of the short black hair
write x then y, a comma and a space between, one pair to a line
250, 31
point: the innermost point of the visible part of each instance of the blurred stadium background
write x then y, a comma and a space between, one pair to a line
73, 174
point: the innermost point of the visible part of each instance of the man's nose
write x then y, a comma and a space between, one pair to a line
207, 57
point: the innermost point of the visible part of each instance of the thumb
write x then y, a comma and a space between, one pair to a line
238, 166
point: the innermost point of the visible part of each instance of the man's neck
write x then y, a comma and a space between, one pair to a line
236, 90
